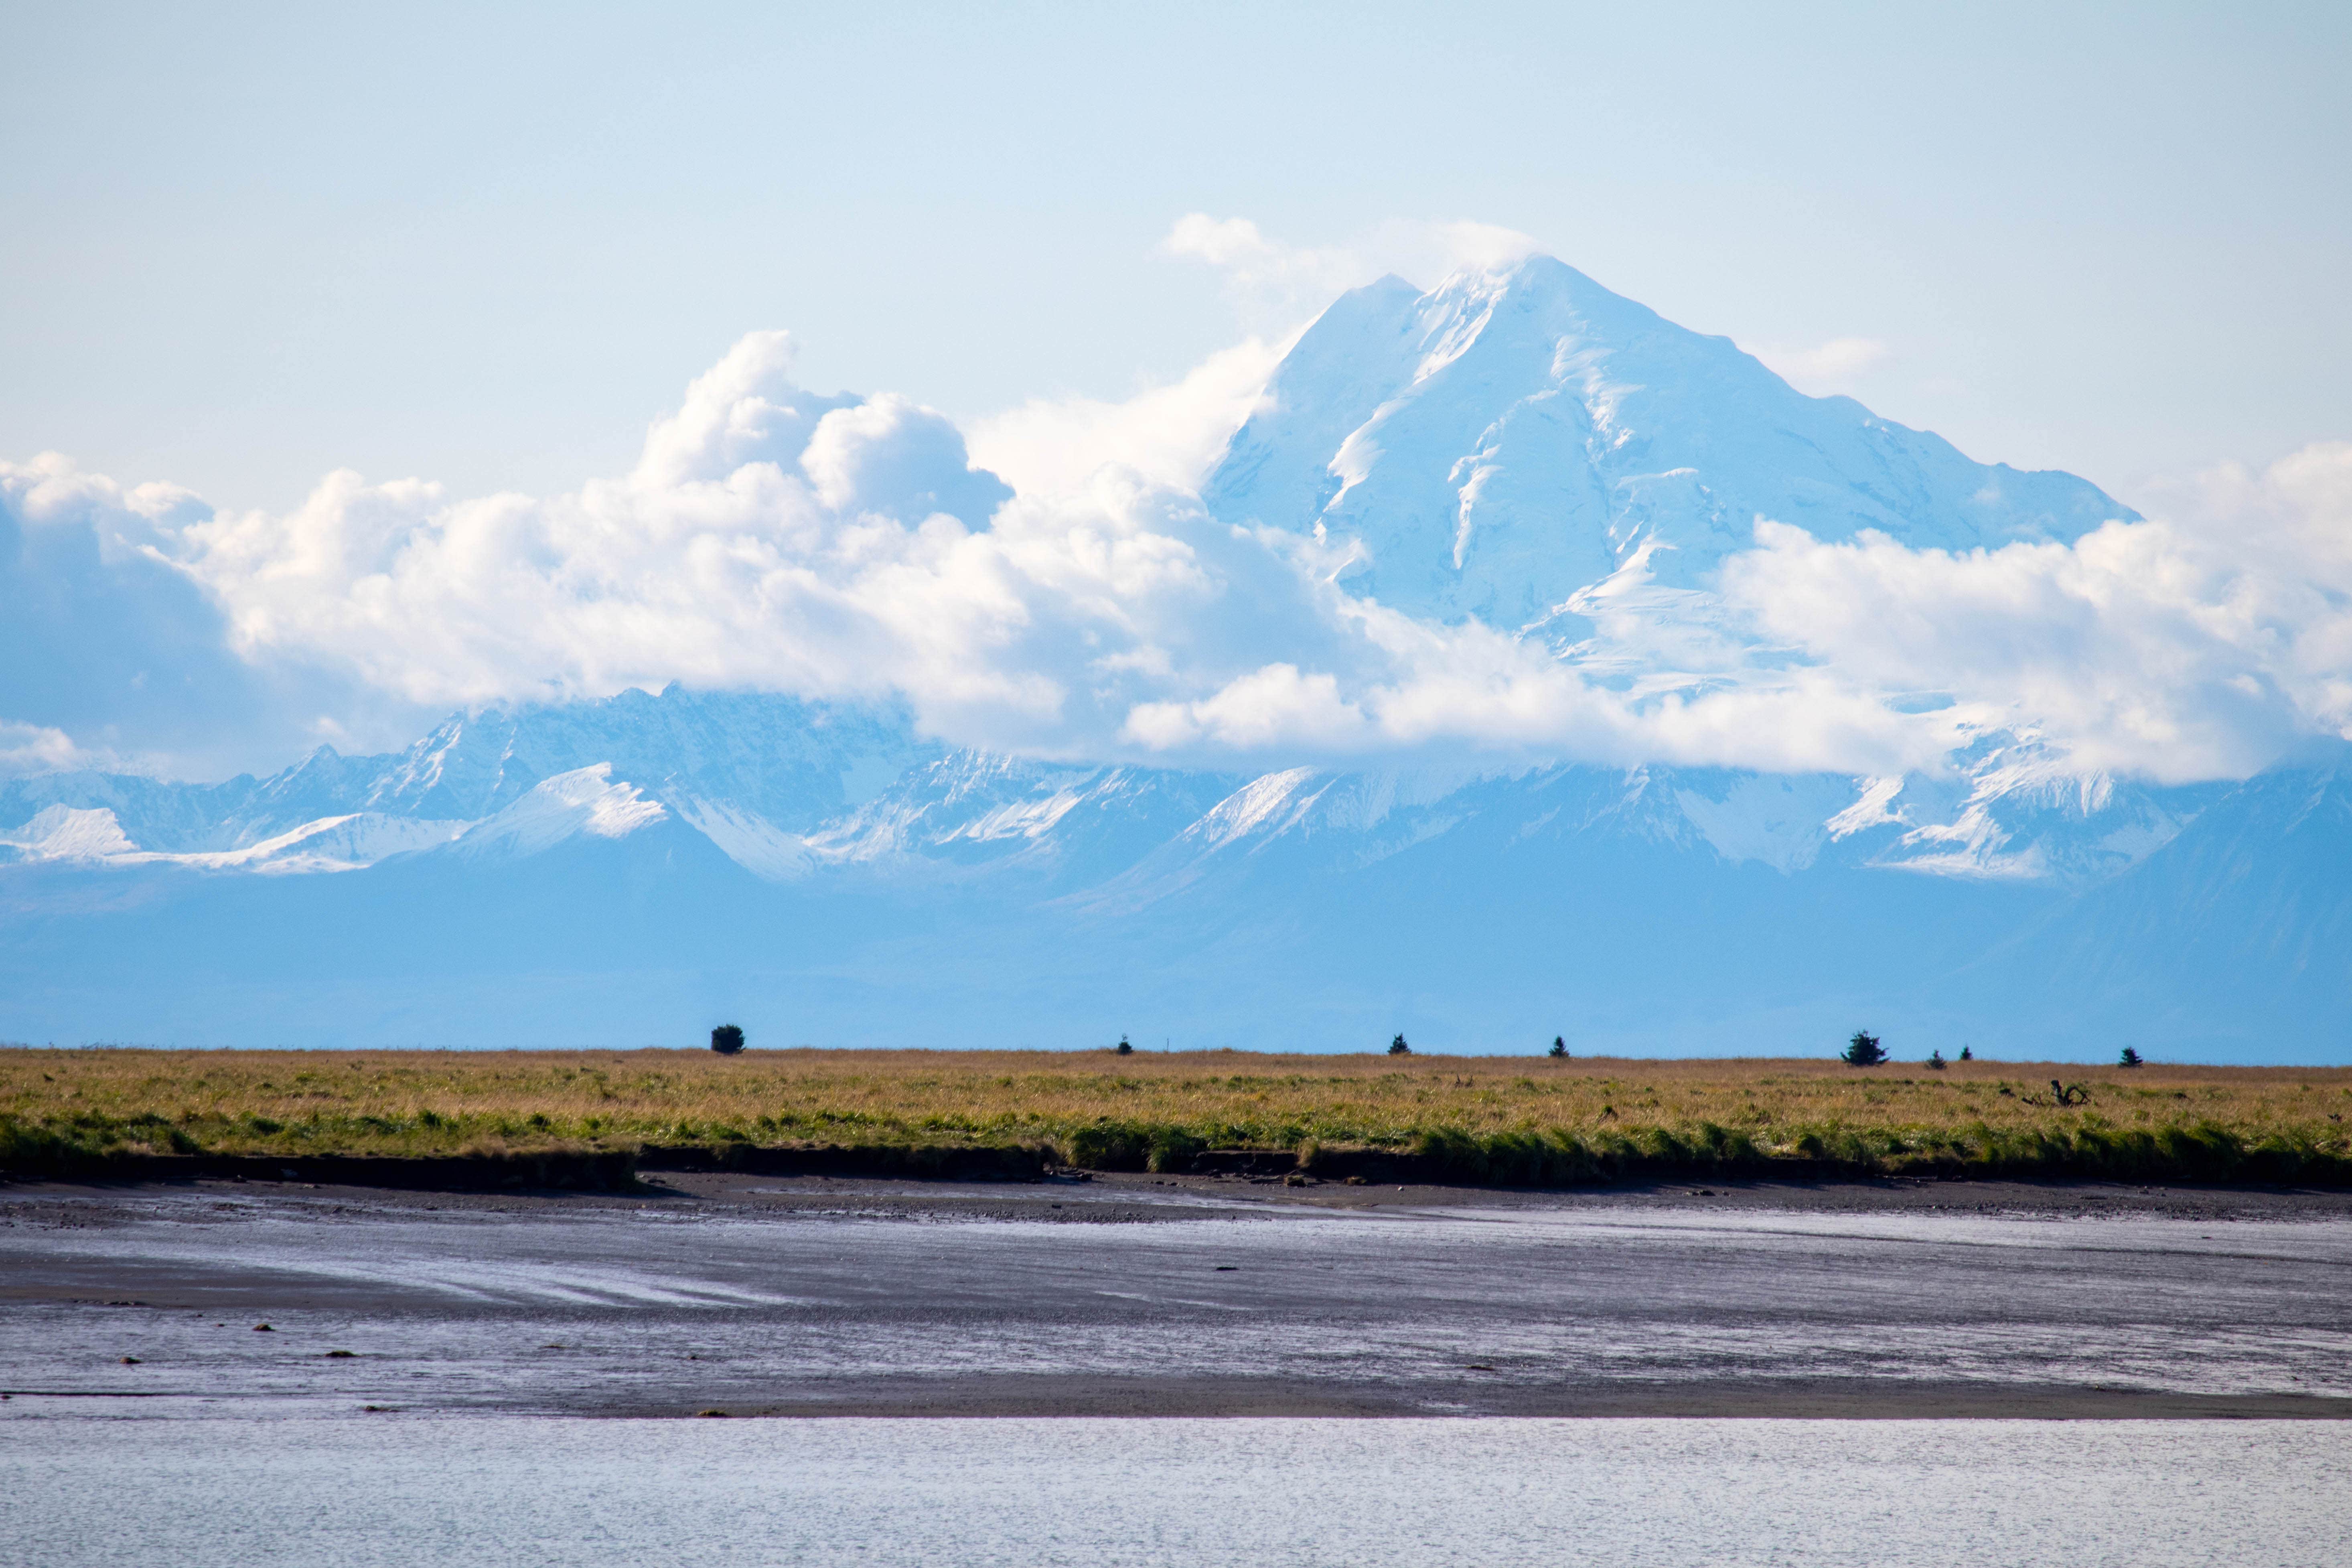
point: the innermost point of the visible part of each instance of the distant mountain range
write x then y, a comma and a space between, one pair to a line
1527, 448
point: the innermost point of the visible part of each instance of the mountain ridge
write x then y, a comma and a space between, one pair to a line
980, 875
1519, 447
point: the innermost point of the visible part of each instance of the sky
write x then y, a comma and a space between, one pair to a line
486, 245
391, 360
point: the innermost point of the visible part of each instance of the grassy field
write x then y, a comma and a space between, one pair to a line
1484, 1117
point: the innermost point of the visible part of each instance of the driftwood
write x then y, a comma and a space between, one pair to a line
2061, 1094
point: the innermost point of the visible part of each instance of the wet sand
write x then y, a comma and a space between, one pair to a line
1191, 1296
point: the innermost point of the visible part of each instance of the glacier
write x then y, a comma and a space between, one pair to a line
1520, 447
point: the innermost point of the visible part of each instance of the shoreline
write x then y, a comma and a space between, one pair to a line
1062, 1195
624, 1173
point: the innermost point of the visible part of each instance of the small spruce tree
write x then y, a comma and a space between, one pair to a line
1124, 1048
1397, 1048
1936, 1061
1966, 1055
2130, 1058
1560, 1046
727, 1039
1864, 1050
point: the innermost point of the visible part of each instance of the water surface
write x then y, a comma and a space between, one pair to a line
459, 1491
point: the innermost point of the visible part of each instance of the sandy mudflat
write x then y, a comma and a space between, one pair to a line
1137, 1295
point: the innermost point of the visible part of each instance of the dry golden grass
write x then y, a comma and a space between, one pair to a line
1097, 1108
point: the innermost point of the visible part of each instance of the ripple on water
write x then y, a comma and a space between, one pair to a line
463, 1492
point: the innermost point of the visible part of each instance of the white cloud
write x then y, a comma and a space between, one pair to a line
1426, 252
104, 642
37, 749
1263, 276
1446, 693
1834, 366
1274, 283
1165, 435
1275, 707
2197, 645
767, 538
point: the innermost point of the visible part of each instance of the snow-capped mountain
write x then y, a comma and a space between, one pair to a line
788, 789
1523, 448
1016, 900
1509, 438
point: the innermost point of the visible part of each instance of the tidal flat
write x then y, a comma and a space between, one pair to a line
1526, 1119
1176, 1296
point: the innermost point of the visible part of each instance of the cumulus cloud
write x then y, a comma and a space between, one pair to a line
847, 548
767, 537
1278, 705
1406, 690
2198, 643
1167, 436
1055, 586
111, 653
37, 749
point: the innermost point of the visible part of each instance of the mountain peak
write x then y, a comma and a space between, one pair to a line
1518, 433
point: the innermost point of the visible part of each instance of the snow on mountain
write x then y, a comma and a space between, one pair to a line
760, 770
1523, 447
1783, 821
1510, 437
751, 841
974, 888
1332, 820
63, 833
346, 843
2232, 938
154, 813
972, 813
585, 801
350, 843
2019, 813
790, 762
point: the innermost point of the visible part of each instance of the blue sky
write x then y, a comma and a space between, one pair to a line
248, 245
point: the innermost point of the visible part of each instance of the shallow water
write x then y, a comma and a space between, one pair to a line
457, 1491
